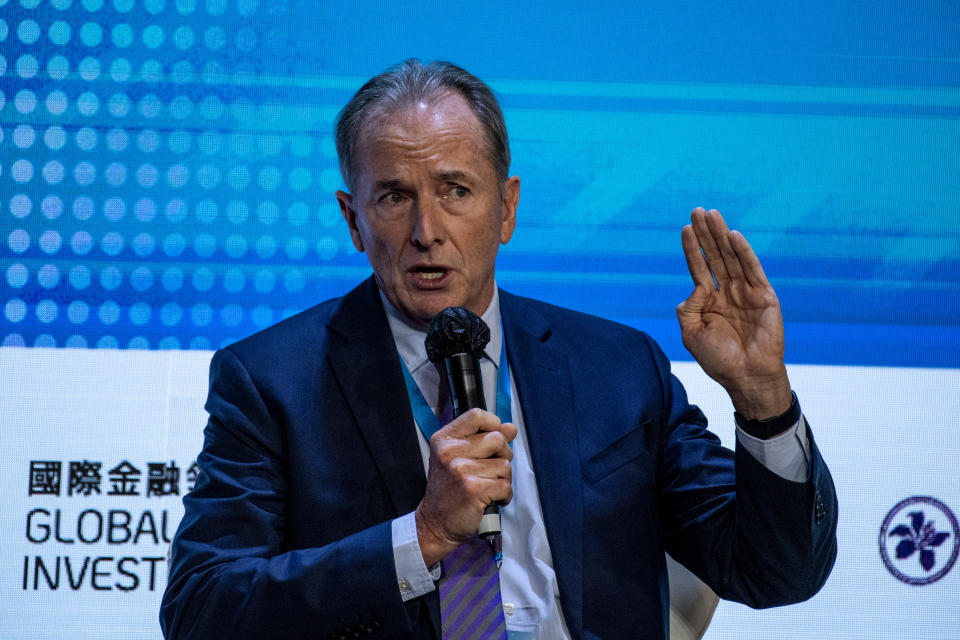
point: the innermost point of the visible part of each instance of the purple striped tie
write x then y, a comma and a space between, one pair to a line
470, 604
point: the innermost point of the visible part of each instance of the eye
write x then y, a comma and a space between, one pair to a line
393, 198
458, 191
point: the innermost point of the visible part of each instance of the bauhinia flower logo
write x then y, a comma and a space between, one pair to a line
911, 528
919, 536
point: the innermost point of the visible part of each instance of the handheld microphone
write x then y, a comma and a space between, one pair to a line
456, 339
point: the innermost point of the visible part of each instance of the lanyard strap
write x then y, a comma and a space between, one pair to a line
424, 415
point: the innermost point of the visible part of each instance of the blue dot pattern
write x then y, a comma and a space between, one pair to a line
153, 195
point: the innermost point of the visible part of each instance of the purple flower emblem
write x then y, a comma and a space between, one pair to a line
900, 540
919, 536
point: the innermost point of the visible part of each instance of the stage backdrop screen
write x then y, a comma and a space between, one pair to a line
167, 180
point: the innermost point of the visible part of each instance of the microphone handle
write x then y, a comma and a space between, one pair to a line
466, 383
466, 392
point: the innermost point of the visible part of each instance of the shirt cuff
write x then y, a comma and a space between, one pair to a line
413, 577
787, 455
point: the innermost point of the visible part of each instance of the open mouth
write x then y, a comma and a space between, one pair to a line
429, 274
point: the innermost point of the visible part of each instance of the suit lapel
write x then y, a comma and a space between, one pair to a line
545, 386
367, 367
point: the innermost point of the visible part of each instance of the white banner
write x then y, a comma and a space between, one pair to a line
98, 447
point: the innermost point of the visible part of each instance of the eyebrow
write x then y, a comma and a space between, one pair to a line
453, 175
380, 185
391, 184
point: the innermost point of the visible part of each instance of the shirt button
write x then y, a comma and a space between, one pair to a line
404, 585
509, 608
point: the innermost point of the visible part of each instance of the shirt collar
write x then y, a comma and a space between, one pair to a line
409, 339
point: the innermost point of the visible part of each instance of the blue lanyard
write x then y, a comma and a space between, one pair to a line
427, 420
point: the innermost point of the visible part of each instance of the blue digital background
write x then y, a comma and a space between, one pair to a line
167, 169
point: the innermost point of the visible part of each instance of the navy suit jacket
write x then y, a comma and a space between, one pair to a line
310, 452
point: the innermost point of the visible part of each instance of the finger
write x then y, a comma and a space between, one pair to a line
479, 446
493, 468
710, 249
721, 235
486, 480
689, 312
509, 431
492, 444
506, 430
696, 263
752, 269
488, 441
468, 471
497, 490
469, 423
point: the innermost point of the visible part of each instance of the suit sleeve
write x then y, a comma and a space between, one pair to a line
233, 573
750, 534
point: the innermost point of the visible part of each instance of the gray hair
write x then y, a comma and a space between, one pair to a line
409, 83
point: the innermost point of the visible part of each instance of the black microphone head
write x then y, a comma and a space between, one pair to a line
456, 330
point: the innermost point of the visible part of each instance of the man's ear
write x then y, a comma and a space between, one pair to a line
346, 210
511, 198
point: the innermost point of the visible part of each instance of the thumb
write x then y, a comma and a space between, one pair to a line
690, 310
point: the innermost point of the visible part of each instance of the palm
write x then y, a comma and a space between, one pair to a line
733, 326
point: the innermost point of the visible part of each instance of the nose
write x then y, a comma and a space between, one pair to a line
426, 224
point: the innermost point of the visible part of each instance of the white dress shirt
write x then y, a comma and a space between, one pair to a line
528, 583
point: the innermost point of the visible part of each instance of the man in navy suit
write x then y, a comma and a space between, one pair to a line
322, 511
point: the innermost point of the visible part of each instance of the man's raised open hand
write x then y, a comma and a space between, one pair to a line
733, 326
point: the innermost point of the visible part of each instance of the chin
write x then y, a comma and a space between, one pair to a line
426, 314
423, 313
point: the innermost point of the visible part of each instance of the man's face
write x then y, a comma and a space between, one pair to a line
428, 209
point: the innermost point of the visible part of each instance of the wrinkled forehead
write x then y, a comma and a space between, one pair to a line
439, 112
422, 121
